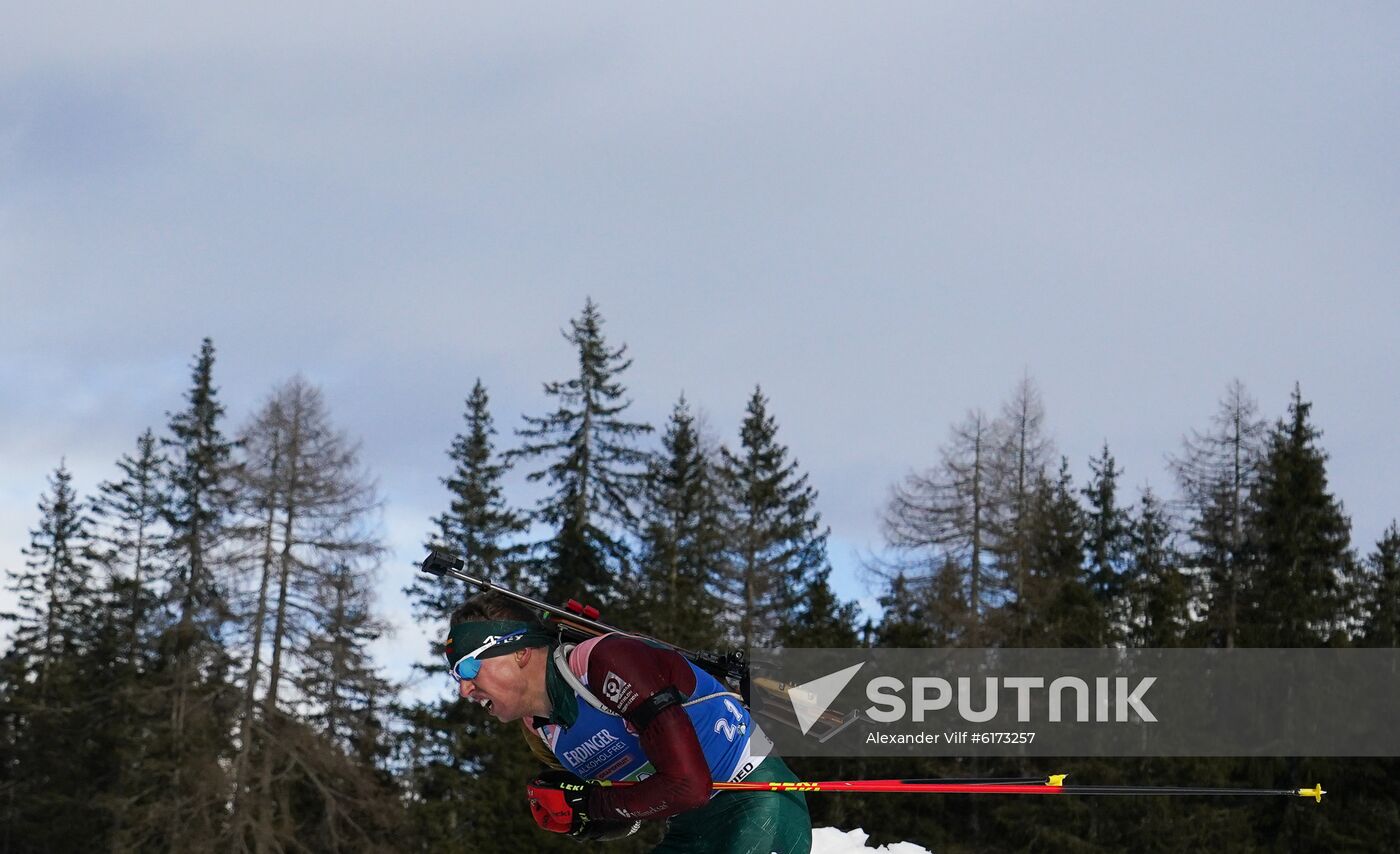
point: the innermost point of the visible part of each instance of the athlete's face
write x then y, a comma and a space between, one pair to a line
508, 686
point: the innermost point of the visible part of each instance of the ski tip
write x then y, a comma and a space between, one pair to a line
1315, 792
1056, 780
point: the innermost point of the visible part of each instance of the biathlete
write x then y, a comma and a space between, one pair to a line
619, 709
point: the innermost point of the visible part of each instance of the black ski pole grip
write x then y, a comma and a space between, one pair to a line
439, 563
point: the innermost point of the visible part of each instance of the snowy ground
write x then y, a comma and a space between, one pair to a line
830, 840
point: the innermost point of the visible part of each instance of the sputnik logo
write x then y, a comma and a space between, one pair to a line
810, 700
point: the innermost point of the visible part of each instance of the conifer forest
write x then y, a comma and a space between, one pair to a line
188, 660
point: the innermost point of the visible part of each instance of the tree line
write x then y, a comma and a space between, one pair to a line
189, 663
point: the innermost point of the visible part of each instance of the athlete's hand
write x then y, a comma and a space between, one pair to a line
559, 803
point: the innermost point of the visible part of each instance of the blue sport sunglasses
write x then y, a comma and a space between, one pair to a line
469, 665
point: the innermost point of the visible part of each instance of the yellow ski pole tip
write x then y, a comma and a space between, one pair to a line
1315, 792
1056, 780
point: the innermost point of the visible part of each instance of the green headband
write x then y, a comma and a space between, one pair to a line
465, 637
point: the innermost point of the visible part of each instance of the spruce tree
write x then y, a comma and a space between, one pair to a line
1299, 539
132, 509
202, 502
478, 525
1058, 607
134, 548
589, 460
452, 753
904, 620
1158, 592
682, 540
58, 763
777, 544
1107, 537
341, 687
463, 768
821, 618
1382, 597
56, 593
183, 805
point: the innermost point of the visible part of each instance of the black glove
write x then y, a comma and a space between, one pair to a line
601, 830
559, 803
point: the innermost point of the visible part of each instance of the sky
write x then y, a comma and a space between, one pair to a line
885, 214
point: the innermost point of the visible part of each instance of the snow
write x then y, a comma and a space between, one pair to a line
831, 840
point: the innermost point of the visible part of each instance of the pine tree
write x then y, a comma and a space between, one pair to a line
776, 540
1158, 591
1107, 537
1382, 627
939, 523
592, 466
1216, 472
682, 540
1299, 539
478, 525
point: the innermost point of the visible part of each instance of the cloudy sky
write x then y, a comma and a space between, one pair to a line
884, 213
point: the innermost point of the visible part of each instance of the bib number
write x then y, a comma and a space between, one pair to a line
730, 730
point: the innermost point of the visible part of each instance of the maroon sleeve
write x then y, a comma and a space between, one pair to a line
625, 672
